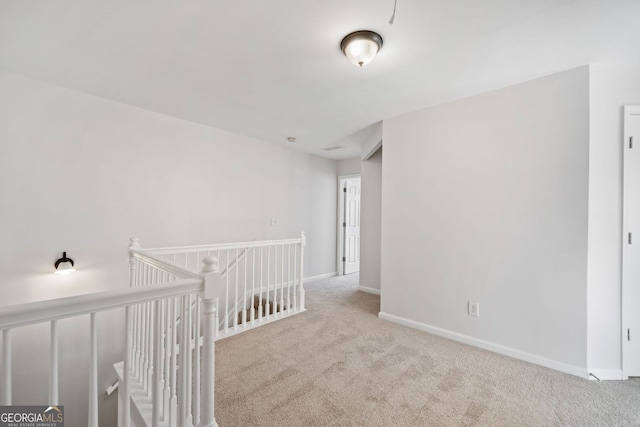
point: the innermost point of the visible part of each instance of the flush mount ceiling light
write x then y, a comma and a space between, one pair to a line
361, 47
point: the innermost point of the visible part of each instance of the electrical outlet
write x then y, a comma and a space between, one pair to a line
274, 221
473, 308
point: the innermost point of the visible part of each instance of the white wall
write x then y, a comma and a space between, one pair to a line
349, 167
611, 87
485, 199
370, 226
373, 141
83, 174
370, 212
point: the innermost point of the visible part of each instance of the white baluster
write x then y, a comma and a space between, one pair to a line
93, 374
274, 302
261, 286
6, 367
173, 404
157, 365
276, 265
253, 286
211, 275
244, 295
144, 347
189, 359
140, 328
282, 282
135, 347
235, 301
183, 365
196, 365
303, 242
266, 302
150, 334
295, 269
126, 369
150, 349
288, 277
226, 298
162, 323
134, 243
168, 340
53, 367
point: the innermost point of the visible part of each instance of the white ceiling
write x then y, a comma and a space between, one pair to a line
270, 69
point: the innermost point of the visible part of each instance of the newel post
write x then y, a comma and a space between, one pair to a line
134, 243
129, 350
212, 278
303, 242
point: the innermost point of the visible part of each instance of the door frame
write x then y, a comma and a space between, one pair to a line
340, 235
627, 282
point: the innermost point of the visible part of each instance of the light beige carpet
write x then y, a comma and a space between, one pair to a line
339, 365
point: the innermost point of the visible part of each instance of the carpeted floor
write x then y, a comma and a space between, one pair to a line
339, 365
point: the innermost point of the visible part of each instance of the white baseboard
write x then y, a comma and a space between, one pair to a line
319, 277
369, 290
497, 348
605, 374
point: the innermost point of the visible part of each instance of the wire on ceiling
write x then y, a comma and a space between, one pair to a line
393, 16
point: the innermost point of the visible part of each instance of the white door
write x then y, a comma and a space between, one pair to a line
351, 225
631, 245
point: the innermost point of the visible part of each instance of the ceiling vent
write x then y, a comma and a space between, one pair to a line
335, 147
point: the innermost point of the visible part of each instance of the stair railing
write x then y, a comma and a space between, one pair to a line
223, 274
147, 311
269, 271
179, 369
262, 280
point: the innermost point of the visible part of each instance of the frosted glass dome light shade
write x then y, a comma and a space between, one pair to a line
361, 47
